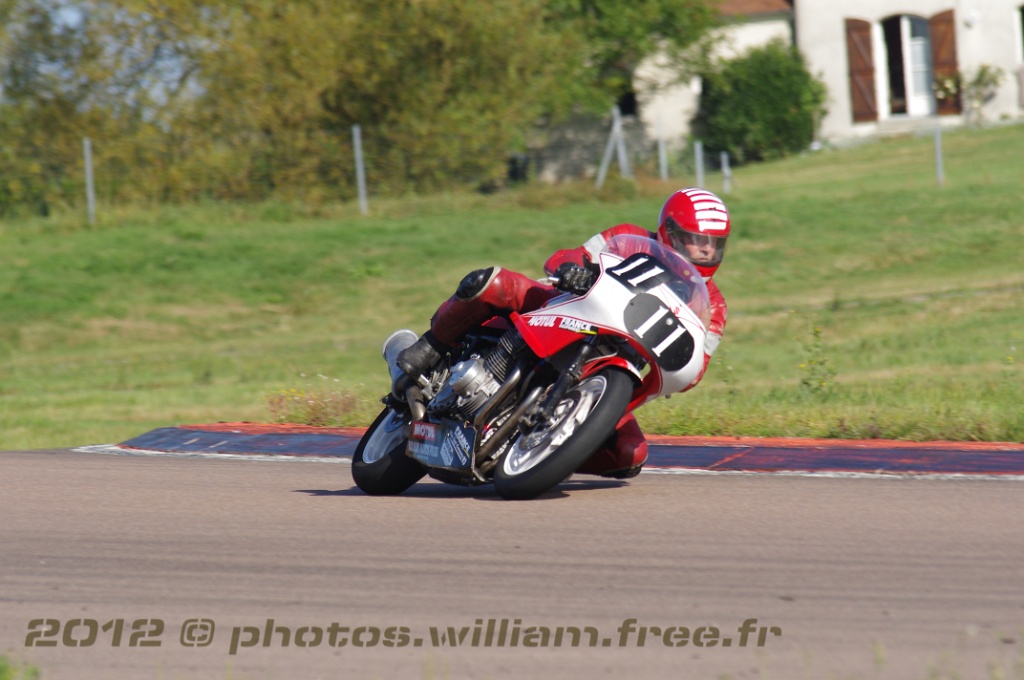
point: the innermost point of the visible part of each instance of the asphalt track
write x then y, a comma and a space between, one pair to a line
856, 560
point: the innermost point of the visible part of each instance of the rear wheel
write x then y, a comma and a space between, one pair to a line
379, 465
582, 421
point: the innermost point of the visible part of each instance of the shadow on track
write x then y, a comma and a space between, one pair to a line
480, 493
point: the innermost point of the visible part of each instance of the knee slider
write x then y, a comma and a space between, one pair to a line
474, 283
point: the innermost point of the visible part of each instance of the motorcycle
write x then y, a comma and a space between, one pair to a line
525, 399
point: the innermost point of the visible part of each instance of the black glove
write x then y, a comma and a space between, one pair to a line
572, 278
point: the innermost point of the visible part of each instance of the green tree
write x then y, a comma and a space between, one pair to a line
256, 98
56, 88
440, 87
42, 112
616, 35
762, 105
260, 96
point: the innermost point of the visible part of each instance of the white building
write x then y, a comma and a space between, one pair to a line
880, 60
666, 109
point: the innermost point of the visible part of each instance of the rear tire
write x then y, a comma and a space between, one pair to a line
584, 419
379, 465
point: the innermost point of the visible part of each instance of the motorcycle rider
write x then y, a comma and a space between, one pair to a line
693, 221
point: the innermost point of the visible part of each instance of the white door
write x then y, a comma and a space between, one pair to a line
917, 66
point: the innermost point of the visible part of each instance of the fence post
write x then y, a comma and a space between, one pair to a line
726, 173
662, 152
357, 143
609, 148
624, 168
90, 192
698, 154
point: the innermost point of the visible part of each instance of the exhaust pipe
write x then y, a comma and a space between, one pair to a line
409, 393
395, 343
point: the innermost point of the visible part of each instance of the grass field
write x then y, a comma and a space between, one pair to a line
864, 300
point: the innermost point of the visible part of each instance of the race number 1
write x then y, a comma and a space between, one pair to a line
656, 328
640, 273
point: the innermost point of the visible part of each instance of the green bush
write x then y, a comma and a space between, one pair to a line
762, 105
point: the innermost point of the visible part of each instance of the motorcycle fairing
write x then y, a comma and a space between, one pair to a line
637, 297
445, 444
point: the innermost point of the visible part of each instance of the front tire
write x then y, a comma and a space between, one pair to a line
583, 421
379, 465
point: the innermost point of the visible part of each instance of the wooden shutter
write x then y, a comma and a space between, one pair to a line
943, 37
862, 71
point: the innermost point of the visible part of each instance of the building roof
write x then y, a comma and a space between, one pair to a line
732, 8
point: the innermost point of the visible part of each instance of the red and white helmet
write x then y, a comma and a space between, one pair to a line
696, 223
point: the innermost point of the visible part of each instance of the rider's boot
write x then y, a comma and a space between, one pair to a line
479, 296
419, 357
622, 456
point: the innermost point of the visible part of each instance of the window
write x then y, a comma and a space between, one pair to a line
909, 58
1020, 26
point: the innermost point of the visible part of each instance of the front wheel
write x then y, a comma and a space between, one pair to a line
379, 465
583, 420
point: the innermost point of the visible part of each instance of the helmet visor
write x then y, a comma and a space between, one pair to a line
701, 249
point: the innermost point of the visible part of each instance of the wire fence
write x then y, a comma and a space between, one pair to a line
577, 150
91, 176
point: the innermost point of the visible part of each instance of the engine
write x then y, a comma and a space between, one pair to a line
473, 384
475, 380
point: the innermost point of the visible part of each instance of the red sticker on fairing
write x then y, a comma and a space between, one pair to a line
424, 432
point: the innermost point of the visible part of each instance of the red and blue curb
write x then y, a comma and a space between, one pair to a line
666, 453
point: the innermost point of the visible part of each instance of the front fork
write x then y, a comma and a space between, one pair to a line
546, 410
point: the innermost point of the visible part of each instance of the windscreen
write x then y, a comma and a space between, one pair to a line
685, 281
